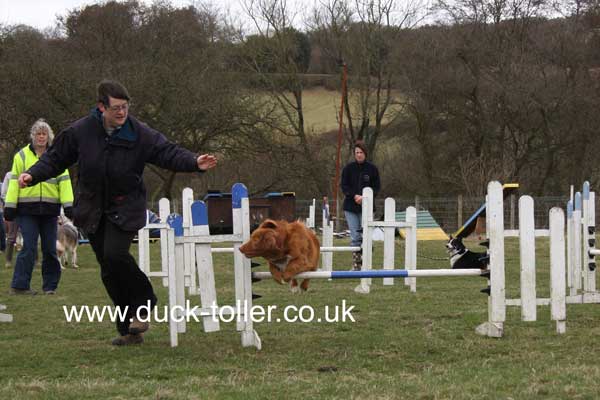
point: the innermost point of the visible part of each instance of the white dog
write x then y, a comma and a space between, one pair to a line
67, 242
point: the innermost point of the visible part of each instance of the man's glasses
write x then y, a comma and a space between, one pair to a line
122, 107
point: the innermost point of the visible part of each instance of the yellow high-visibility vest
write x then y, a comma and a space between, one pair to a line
57, 191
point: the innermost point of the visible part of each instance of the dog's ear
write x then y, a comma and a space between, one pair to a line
269, 224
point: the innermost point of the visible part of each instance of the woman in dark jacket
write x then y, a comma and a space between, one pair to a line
356, 176
111, 149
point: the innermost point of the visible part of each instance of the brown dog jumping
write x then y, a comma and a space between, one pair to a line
289, 247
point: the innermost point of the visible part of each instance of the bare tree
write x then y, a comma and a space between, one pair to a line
364, 34
277, 56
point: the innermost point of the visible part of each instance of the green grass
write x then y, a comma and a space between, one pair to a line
402, 345
322, 107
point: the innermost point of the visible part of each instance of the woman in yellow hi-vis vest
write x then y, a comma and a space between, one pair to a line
36, 209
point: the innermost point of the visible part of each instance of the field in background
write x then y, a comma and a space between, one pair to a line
402, 345
321, 109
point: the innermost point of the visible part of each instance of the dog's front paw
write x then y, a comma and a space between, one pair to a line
295, 289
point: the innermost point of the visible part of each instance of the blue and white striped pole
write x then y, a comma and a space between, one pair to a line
390, 273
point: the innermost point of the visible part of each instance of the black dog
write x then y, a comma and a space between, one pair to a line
462, 258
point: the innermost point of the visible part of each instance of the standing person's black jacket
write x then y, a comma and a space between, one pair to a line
111, 167
355, 177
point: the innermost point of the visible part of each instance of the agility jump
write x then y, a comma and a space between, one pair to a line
389, 226
176, 270
201, 241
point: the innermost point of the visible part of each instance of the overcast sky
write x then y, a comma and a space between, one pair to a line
42, 13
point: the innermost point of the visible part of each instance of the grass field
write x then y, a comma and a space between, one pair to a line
402, 345
322, 107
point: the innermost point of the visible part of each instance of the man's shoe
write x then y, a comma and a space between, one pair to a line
128, 340
15, 292
136, 326
49, 292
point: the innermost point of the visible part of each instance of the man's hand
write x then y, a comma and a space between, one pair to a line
206, 161
358, 199
24, 180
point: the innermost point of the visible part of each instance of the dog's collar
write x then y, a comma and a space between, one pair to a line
458, 253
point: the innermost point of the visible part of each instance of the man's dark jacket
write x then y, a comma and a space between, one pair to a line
110, 169
356, 177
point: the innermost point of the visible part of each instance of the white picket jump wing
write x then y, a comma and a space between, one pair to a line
570, 263
164, 209
189, 253
589, 223
577, 244
558, 308
171, 277
388, 239
527, 252
410, 249
327, 239
206, 273
367, 243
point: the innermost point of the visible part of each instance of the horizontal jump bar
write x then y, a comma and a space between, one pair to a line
208, 239
221, 249
387, 273
328, 249
324, 249
390, 224
537, 233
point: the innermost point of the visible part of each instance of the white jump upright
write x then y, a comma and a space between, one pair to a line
389, 226
327, 238
589, 239
410, 246
494, 327
581, 216
558, 287
188, 248
199, 240
144, 246
144, 243
310, 221
243, 266
189, 272
367, 239
177, 273
203, 258
527, 234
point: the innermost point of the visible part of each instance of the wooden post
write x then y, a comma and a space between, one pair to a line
459, 219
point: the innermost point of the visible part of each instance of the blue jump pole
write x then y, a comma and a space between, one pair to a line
390, 273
